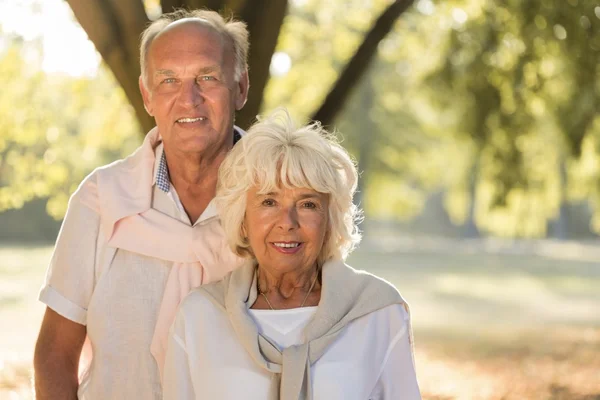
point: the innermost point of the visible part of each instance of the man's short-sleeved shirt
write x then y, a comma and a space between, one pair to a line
114, 292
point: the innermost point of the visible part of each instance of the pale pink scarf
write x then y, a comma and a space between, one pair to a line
199, 254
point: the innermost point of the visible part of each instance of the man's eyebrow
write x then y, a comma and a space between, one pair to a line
209, 69
166, 72
201, 71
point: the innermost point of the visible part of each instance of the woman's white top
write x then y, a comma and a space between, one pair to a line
371, 359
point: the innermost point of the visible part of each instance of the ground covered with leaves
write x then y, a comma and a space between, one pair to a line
489, 324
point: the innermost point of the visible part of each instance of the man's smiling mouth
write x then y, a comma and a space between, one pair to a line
191, 120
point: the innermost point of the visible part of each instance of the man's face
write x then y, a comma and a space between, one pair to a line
191, 90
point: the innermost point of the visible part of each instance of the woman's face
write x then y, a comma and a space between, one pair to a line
286, 228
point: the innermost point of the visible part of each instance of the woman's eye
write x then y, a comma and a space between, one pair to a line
268, 202
309, 204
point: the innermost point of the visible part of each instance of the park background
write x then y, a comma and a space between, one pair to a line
474, 123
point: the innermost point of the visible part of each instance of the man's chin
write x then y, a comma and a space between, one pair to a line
195, 146
192, 146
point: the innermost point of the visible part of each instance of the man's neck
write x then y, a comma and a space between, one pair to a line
194, 180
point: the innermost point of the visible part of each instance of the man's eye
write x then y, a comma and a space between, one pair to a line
207, 78
168, 80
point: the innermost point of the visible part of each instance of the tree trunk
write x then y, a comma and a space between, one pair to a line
264, 19
114, 27
558, 227
365, 147
470, 227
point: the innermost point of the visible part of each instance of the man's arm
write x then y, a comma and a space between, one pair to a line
56, 357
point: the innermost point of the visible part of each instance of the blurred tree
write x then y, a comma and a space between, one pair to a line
387, 140
66, 127
55, 129
524, 80
495, 103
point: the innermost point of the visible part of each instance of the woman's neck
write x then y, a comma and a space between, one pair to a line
288, 290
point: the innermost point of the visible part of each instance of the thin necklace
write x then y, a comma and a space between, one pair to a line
267, 299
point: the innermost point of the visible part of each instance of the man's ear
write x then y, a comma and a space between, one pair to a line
145, 96
242, 90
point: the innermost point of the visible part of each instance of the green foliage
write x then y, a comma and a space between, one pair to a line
523, 79
495, 103
55, 129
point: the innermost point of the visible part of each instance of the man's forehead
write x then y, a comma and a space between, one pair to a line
193, 22
184, 36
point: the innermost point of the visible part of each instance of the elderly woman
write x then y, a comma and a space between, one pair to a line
294, 322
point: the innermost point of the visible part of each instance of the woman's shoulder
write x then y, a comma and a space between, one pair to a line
372, 278
382, 327
366, 280
198, 302
394, 315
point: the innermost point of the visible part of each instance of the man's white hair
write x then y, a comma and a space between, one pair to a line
274, 154
233, 31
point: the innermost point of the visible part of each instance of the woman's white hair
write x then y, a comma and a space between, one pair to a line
275, 153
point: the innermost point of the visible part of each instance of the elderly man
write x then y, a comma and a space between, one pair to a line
139, 233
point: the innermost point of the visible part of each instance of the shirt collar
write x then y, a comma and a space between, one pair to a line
161, 170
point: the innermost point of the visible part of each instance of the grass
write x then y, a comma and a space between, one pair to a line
22, 271
487, 325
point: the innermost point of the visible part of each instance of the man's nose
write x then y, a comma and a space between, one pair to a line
191, 94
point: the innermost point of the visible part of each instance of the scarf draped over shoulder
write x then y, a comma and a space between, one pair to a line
346, 295
199, 254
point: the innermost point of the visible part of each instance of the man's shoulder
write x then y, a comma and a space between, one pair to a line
119, 165
87, 191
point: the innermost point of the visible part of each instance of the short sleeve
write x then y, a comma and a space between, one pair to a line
71, 274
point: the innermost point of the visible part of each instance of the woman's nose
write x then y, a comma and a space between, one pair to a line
288, 218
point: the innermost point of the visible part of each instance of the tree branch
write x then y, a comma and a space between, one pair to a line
357, 66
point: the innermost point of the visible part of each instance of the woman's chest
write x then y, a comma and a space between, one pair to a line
222, 368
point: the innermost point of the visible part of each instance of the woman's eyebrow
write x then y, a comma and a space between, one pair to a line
304, 196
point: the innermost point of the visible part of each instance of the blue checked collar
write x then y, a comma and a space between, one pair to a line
162, 174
